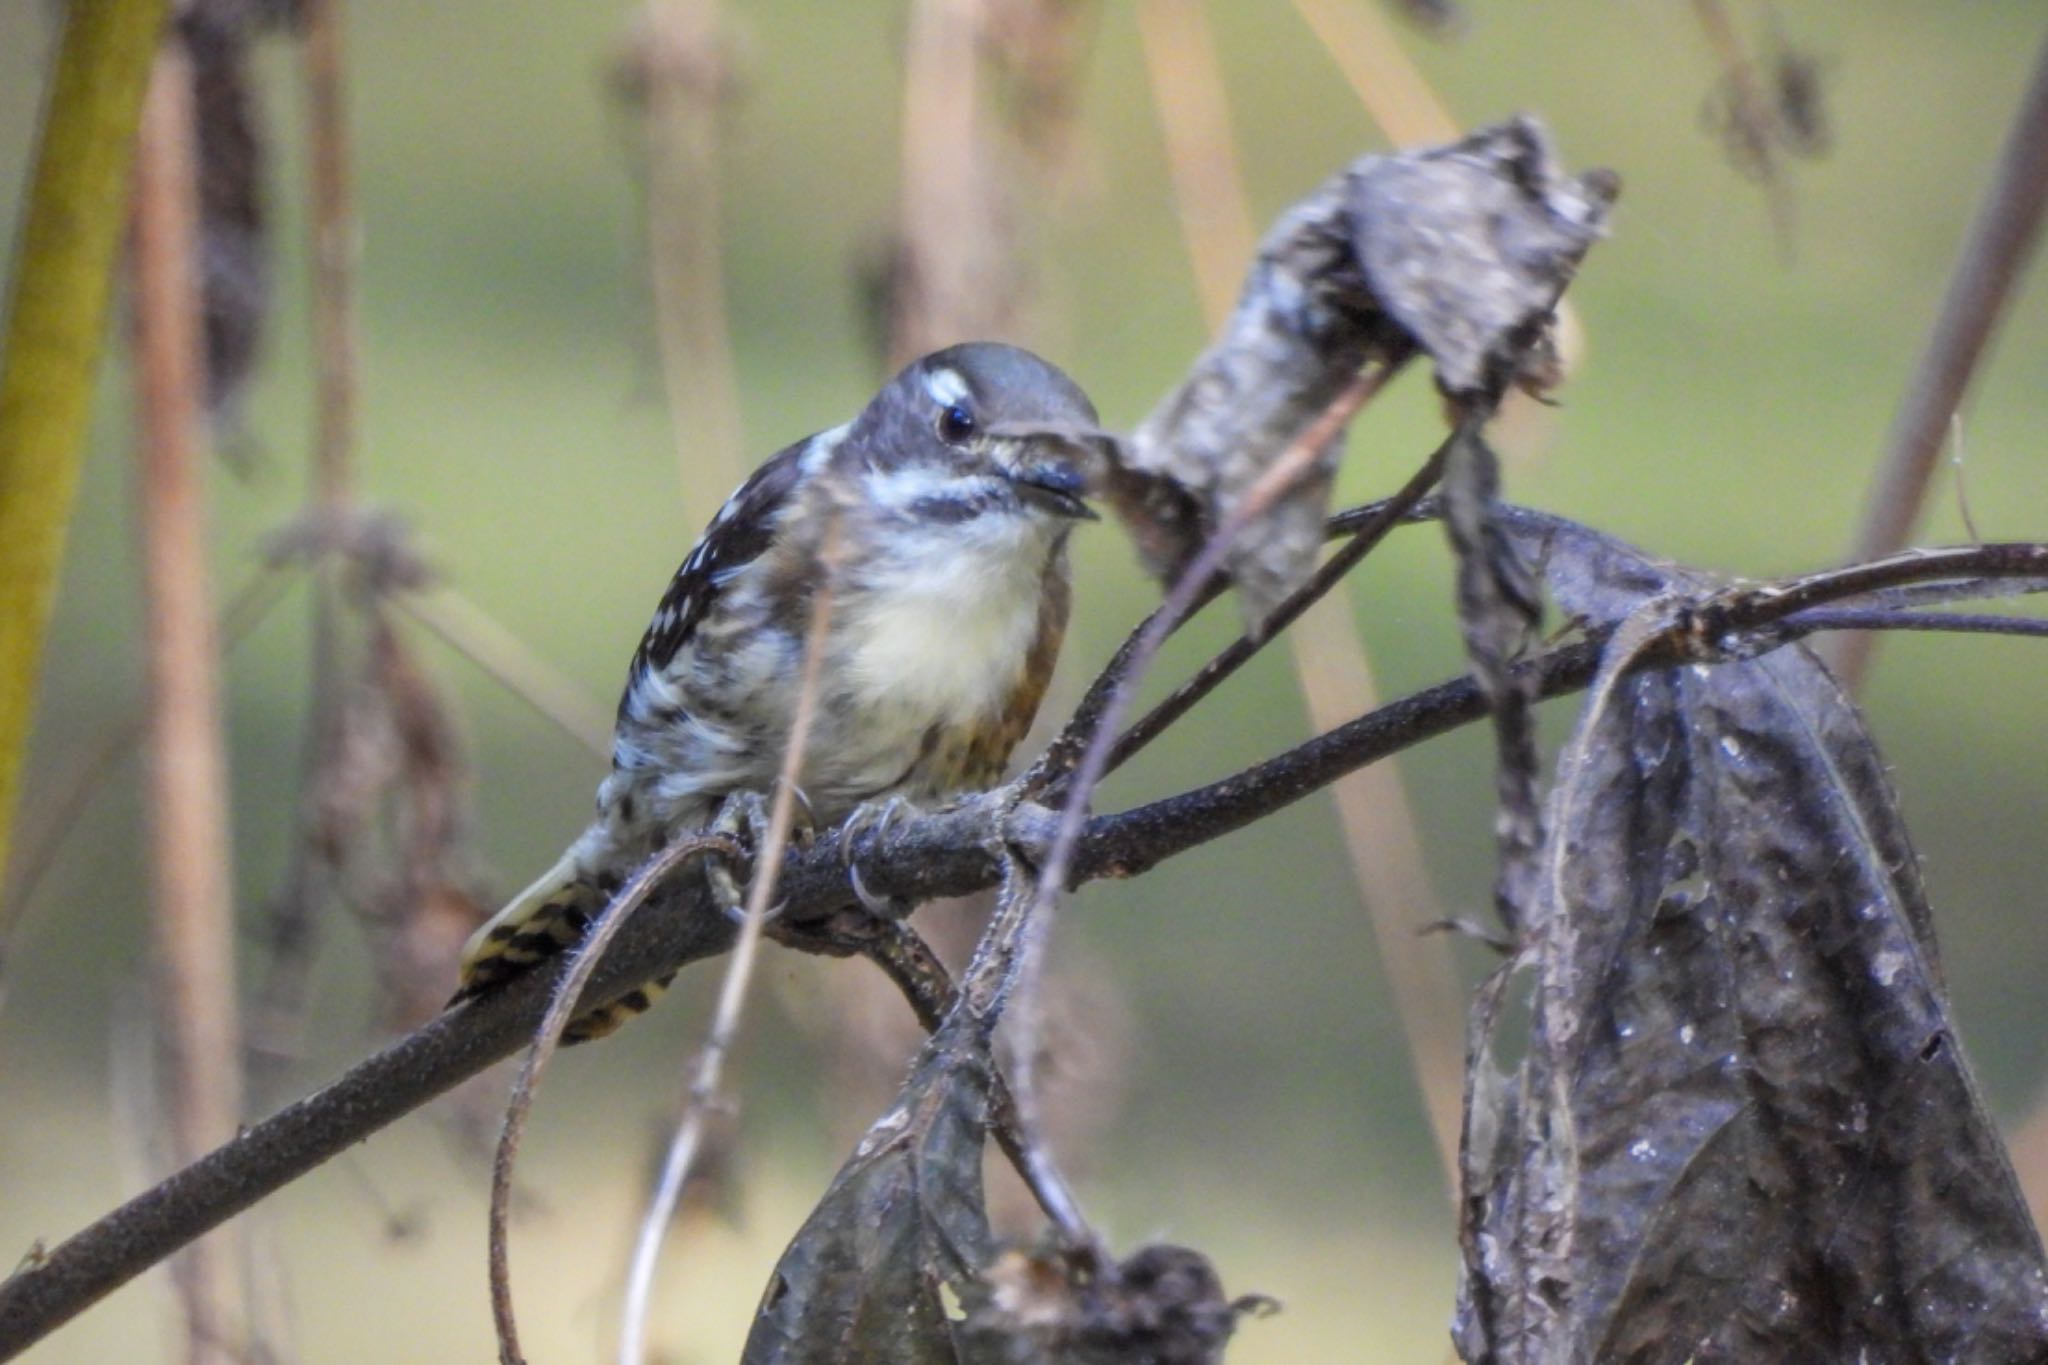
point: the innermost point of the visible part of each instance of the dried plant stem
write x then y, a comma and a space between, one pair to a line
1996, 252
1365, 48
1014, 945
732, 993
942, 854
956, 274
678, 51
509, 661
1751, 113
278, 1002
1294, 464
71, 225
1372, 525
335, 249
1381, 837
939, 178
1893, 618
1194, 116
1364, 527
917, 971
567, 993
190, 859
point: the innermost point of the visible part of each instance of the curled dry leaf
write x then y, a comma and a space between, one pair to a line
1743, 1128
1458, 252
897, 1262
867, 1276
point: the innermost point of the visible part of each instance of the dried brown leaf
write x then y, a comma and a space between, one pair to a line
1744, 1128
867, 1275
1458, 252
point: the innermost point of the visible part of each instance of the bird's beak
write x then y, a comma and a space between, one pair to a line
1055, 486
1052, 464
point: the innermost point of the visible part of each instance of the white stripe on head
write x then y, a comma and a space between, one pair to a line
946, 387
822, 446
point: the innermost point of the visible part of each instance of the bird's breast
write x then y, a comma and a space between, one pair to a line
940, 639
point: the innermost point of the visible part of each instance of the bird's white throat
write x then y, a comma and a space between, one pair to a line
942, 629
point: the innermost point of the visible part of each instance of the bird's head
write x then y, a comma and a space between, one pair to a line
979, 430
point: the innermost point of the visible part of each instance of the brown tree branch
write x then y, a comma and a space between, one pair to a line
942, 854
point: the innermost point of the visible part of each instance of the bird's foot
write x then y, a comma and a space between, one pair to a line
876, 818
744, 818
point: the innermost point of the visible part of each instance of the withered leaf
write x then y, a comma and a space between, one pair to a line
1744, 1128
1468, 246
865, 1277
1458, 252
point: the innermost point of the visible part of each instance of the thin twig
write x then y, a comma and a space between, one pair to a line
1882, 618
1292, 465
917, 971
732, 993
1949, 564
566, 994
189, 847
1048, 775
1384, 517
2000, 243
921, 858
469, 630
1380, 832
61, 809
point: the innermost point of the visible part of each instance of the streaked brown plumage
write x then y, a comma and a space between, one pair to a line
949, 500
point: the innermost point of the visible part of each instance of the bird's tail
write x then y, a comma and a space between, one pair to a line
546, 919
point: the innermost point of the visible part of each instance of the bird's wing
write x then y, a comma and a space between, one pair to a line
740, 532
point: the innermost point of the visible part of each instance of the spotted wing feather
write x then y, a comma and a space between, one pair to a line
739, 533
554, 913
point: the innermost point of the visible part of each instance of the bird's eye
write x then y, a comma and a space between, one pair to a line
956, 423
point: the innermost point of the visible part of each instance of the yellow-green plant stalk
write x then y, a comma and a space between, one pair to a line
56, 320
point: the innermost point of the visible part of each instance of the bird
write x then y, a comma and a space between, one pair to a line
941, 515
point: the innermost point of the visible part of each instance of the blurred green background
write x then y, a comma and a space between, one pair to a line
1727, 414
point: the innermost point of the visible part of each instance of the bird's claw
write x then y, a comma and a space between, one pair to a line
743, 817
885, 907
737, 911
875, 817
